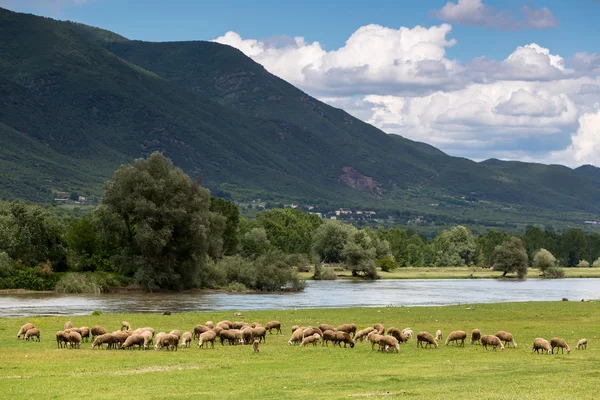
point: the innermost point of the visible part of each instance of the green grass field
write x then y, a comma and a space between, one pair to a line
40, 370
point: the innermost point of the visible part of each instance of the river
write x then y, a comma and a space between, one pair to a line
318, 294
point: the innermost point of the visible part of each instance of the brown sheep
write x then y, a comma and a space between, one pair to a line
176, 333
171, 342
374, 338
582, 344
62, 339
225, 324
274, 325
438, 335
475, 336
348, 328
561, 344
341, 336
326, 327
255, 345
491, 340
74, 339
207, 337
31, 333
148, 336
541, 344
238, 325
209, 324
395, 332
132, 341
106, 338
297, 337
260, 333
427, 338
311, 330
85, 333
125, 326
232, 336
455, 336
68, 325
506, 337
389, 342
314, 339
255, 324
328, 336
247, 334
120, 337
186, 339
379, 328
200, 329
24, 329
97, 330
362, 334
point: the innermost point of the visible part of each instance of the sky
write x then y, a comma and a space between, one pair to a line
512, 79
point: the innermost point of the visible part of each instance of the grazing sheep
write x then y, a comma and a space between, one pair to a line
200, 329
341, 336
68, 325
311, 330
328, 336
362, 334
238, 325
260, 333
62, 339
395, 332
475, 336
561, 344
455, 336
148, 336
247, 334
209, 324
167, 340
176, 333
408, 332
506, 337
582, 344
132, 341
74, 339
31, 333
427, 338
24, 329
125, 326
97, 330
85, 333
255, 345
348, 328
186, 339
438, 335
119, 337
379, 328
207, 337
233, 336
374, 338
326, 327
255, 324
225, 324
99, 340
297, 337
491, 340
312, 339
274, 325
389, 342
541, 344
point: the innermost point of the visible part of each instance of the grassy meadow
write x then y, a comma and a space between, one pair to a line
40, 370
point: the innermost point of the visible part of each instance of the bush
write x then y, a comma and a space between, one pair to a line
596, 263
7, 265
96, 312
583, 264
386, 264
89, 282
29, 278
543, 260
554, 272
327, 274
236, 287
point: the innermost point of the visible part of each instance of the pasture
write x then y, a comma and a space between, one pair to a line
40, 370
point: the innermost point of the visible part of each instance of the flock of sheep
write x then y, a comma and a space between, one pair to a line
238, 333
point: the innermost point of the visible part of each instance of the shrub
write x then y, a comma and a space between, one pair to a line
583, 264
554, 272
76, 282
596, 263
543, 260
29, 279
386, 264
327, 274
236, 287
97, 311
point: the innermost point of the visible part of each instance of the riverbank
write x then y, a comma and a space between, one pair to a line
459, 273
41, 370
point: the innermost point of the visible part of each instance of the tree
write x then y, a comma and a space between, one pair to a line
329, 240
455, 247
288, 229
583, 264
511, 257
359, 255
232, 221
596, 263
163, 221
255, 243
573, 247
487, 243
543, 260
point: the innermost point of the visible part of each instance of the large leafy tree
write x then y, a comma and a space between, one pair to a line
163, 222
289, 230
329, 240
511, 257
455, 247
232, 221
573, 247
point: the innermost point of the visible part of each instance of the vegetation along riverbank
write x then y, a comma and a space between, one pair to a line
32, 369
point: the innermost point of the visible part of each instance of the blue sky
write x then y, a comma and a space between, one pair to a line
510, 79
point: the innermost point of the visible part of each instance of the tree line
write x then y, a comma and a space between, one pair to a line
158, 229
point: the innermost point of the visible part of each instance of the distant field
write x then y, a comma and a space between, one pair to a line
40, 370
461, 273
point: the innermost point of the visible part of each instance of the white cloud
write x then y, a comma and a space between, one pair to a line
475, 13
585, 143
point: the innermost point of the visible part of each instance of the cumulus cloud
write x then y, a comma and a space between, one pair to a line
475, 13
585, 143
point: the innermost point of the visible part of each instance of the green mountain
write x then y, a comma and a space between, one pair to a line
78, 101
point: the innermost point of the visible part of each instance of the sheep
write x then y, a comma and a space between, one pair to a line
78, 330
296, 337
259, 332
582, 344
341, 336
85, 333
148, 336
200, 329
506, 337
167, 340
233, 336
207, 337
395, 332
455, 336
132, 341
255, 345
326, 327
74, 339
427, 338
438, 335
119, 337
541, 344
145, 329
62, 339
125, 326
238, 325
97, 330
362, 334
274, 325
314, 339
561, 344
389, 342
224, 324
68, 325
379, 328
374, 338
491, 340
186, 339
311, 330
209, 324
348, 328
107, 338
408, 332
255, 324
475, 336
31, 333
328, 336
247, 334
176, 333
24, 329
